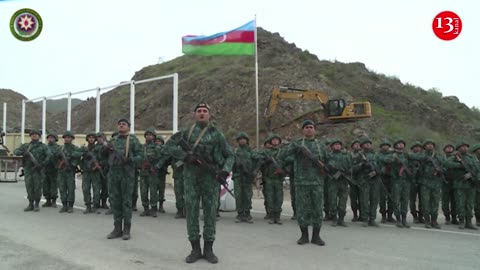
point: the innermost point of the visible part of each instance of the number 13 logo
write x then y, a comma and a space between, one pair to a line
447, 25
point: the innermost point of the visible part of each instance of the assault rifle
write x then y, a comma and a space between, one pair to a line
36, 165
438, 169
93, 163
404, 165
243, 169
65, 161
469, 175
375, 174
2, 143
148, 163
202, 162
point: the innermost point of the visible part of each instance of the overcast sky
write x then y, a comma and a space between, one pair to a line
90, 43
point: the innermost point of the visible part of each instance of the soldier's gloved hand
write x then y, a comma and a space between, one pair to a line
222, 176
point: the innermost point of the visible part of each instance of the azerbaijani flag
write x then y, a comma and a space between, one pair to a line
239, 41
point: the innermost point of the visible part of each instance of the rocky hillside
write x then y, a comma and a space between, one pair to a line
13, 99
227, 83
55, 106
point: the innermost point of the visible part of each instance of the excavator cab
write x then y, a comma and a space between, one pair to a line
335, 107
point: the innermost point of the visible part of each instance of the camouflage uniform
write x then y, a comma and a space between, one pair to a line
34, 176
149, 179
386, 202
243, 178
326, 206
465, 177
355, 191
476, 206
431, 183
91, 177
104, 164
338, 189
125, 152
179, 189
309, 186
448, 193
415, 186
209, 143
69, 157
273, 180
50, 189
162, 178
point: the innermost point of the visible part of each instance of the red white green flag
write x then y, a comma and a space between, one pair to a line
239, 41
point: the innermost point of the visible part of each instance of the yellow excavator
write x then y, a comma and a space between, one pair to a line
336, 110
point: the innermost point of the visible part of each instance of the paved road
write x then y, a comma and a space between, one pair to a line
49, 240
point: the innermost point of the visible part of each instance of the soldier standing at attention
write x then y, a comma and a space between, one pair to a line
148, 175
208, 160
354, 190
415, 192
476, 207
69, 156
448, 195
386, 203
309, 183
400, 182
91, 179
50, 190
162, 174
104, 163
36, 156
465, 177
124, 152
243, 177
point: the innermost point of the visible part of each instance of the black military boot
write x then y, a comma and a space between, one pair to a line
126, 231
384, 218
47, 203
96, 208
404, 221
104, 204
316, 237
304, 238
179, 213
271, 214
415, 217
36, 206
341, 221
455, 220
117, 231
461, 222
64, 208
146, 211
447, 219
267, 214
435, 223
469, 225
334, 220
399, 221
54, 202
420, 218
160, 208
88, 209
372, 223
69, 207
248, 217
239, 217
29, 207
196, 252
277, 219
477, 218
355, 216
294, 217
208, 252
153, 212
390, 218
428, 222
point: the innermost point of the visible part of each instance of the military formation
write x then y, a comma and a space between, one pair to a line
395, 179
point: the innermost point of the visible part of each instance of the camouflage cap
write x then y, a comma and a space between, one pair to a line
475, 147
100, 134
151, 131
243, 135
308, 122
160, 138
386, 142
447, 145
336, 140
202, 104
68, 133
354, 142
415, 144
364, 140
124, 120
427, 141
53, 135
35, 131
273, 136
460, 143
399, 140
90, 134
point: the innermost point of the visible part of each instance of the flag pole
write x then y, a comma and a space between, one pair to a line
257, 134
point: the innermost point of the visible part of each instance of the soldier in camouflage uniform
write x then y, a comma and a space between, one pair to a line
476, 153
448, 193
415, 186
101, 141
367, 169
339, 165
124, 151
69, 157
262, 168
465, 177
274, 176
162, 174
354, 190
149, 179
202, 141
326, 206
431, 178
309, 183
92, 174
386, 203
243, 177
401, 175
36, 157
50, 190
